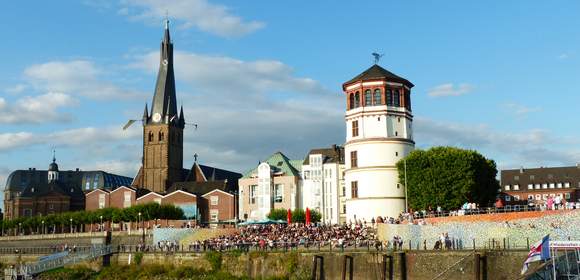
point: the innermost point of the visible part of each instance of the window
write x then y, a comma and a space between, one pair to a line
532, 177
537, 186
354, 189
50, 206
530, 197
544, 186
27, 212
538, 197
516, 178
353, 159
516, 187
552, 185
127, 199
101, 200
150, 136
354, 128
253, 193
157, 200
566, 185
507, 198
161, 136
356, 100
368, 98
343, 190
559, 185
344, 209
214, 215
278, 193
377, 97
407, 99
516, 197
396, 98
351, 101
567, 195
389, 97
214, 199
507, 187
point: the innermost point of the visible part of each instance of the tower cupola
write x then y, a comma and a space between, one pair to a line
53, 170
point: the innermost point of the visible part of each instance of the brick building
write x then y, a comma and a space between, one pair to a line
537, 184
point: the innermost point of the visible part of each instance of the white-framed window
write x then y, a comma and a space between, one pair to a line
566, 185
552, 185
214, 200
538, 197
516, 187
544, 196
253, 193
508, 198
50, 206
544, 186
214, 215
530, 187
507, 187
101, 200
530, 197
278, 193
516, 197
127, 199
559, 185
537, 186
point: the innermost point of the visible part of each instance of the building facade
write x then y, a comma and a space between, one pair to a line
35, 192
323, 186
520, 186
274, 183
379, 133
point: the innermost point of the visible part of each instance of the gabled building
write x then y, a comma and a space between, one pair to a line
538, 184
274, 183
323, 186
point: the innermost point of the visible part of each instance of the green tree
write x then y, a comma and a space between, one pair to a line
278, 214
448, 177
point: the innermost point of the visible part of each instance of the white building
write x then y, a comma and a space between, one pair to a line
378, 134
323, 187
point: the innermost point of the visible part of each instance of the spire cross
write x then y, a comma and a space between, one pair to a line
377, 57
195, 157
53, 155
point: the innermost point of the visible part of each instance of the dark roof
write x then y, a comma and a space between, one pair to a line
18, 180
544, 175
377, 72
211, 174
329, 155
164, 100
44, 190
200, 188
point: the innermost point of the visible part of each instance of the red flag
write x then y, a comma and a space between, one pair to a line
289, 217
307, 216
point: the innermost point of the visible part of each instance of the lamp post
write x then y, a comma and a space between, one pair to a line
71, 231
406, 200
102, 227
43, 231
19, 228
138, 220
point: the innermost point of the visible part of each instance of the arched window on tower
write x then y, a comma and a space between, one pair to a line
396, 98
389, 97
150, 136
351, 101
377, 98
357, 99
161, 136
408, 100
368, 98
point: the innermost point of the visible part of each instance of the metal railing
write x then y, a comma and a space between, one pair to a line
66, 259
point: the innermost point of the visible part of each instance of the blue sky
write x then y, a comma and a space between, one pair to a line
500, 77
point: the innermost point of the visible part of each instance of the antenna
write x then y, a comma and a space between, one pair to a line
377, 57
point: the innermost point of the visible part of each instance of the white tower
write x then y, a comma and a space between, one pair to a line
378, 134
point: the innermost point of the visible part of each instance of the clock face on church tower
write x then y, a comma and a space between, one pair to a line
156, 117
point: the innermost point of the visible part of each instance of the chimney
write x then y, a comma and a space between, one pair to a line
521, 170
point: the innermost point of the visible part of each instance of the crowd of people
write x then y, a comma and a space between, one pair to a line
270, 237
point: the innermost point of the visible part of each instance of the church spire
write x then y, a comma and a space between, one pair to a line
145, 114
164, 102
181, 118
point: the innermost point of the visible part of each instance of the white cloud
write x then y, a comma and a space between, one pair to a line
532, 148
221, 73
77, 77
205, 16
36, 109
16, 89
450, 89
521, 111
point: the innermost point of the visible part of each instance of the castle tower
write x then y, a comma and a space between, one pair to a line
163, 128
378, 134
53, 170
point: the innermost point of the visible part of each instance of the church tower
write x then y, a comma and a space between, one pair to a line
163, 128
379, 133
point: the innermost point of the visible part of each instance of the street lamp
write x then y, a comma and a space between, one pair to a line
19, 228
70, 225
43, 227
138, 220
102, 227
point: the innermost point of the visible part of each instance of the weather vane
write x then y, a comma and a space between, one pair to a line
377, 57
